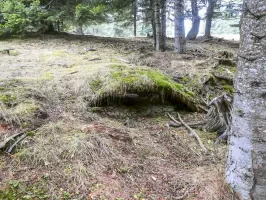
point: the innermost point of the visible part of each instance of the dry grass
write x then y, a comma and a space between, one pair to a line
71, 146
109, 161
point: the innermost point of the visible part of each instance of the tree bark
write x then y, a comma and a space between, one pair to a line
209, 18
194, 31
135, 17
246, 166
157, 24
180, 38
163, 22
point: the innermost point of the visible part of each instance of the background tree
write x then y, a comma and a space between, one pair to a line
209, 17
180, 38
135, 11
246, 171
194, 31
163, 23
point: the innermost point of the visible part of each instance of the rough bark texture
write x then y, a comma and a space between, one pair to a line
246, 167
180, 38
209, 17
163, 22
157, 24
194, 31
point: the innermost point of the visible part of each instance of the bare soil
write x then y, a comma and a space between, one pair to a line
89, 153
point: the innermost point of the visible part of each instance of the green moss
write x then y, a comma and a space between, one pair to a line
2, 88
16, 190
26, 110
228, 88
123, 79
7, 99
96, 84
47, 76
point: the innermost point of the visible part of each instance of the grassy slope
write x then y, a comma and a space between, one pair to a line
88, 152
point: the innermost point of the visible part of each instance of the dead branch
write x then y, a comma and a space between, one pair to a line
6, 51
192, 132
227, 77
9, 139
123, 60
16, 143
192, 125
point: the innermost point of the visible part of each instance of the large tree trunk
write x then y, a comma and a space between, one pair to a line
135, 16
157, 24
163, 22
246, 167
180, 38
194, 31
209, 18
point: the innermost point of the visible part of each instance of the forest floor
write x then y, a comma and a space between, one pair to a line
78, 151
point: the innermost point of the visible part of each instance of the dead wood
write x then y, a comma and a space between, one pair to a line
6, 51
227, 77
6, 141
16, 143
192, 132
123, 60
192, 125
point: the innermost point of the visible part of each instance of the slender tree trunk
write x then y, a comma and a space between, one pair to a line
194, 31
79, 30
153, 22
209, 18
246, 167
58, 26
135, 17
180, 38
163, 22
157, 24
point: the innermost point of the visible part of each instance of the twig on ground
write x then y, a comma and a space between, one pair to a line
192, 132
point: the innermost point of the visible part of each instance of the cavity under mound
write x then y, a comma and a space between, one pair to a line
139, 84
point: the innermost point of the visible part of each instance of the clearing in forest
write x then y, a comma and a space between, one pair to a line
94, 112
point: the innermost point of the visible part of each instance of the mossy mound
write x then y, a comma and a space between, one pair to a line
121, 80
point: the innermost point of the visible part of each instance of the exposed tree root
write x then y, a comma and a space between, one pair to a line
219, 117
192, 132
